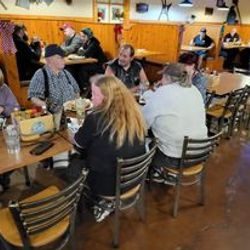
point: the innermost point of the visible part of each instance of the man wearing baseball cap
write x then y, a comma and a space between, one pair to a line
202, 40
72, 40
52, 86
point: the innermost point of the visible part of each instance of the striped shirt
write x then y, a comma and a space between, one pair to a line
62, 88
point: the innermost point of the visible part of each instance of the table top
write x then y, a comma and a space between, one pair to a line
226, 82
73, 61
24, 158
141, 53
235, 46
192, 48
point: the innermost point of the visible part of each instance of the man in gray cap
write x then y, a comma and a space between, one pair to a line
202, 40
52, 86
72, 40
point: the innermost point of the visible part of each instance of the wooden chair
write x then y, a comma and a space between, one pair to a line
224, 114
241, 71
191, 170
130, 179
209, 99
43, 219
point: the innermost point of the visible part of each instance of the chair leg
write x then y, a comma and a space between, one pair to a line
4, 245
202, 189
176, 199
141, 205
116, 232
26, 175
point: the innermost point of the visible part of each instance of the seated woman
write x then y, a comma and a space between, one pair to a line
115, 128
7, 103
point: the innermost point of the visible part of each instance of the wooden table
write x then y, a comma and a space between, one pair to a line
190, 48
235, 46
227, 82
24, 158
73, 61
143, 53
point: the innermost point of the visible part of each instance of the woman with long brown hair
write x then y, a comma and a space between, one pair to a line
114, 129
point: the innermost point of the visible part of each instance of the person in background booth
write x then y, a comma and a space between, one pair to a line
230, 54
90, 48
52, 86
27, 55
190, 60
174, 110
7, 104
72, 40
7, 99
115, 129
127, 69
202, 40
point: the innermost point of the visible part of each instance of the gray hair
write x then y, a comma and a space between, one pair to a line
177, 73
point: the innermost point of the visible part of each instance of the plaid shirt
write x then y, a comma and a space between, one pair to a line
62, 88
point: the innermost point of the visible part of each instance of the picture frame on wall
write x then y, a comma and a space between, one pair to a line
103, 13
103, 1
117, 1
116, 13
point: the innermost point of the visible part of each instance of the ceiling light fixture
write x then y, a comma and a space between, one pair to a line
186, 3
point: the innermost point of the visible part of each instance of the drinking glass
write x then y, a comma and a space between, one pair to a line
80, 106
12, 138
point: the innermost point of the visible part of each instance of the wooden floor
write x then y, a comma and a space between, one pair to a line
222, 224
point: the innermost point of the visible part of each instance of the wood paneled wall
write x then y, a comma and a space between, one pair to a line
160, 37
47, 28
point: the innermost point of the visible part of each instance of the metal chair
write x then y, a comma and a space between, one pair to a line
130, 179
43, 219
224, 114
241, 71
191, 170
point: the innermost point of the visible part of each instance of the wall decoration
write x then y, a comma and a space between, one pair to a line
103, 13
6, 30
102, 1
142, 7
116, 13
165, 9
3, 5
117, 1
191, 19
209, 11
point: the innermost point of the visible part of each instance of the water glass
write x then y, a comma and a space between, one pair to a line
80, 106
12, 138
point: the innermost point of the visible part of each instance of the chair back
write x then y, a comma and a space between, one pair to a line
37, 216
241, 71
209, 98
197, 151
131, 173
233, 101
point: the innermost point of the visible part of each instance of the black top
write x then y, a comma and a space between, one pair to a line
131, 76
204, 42
27, 57
229, 38
93, 49
101, 155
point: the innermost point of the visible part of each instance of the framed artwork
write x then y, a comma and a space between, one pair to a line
103, 13
117, 1
116, 13
102, 1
